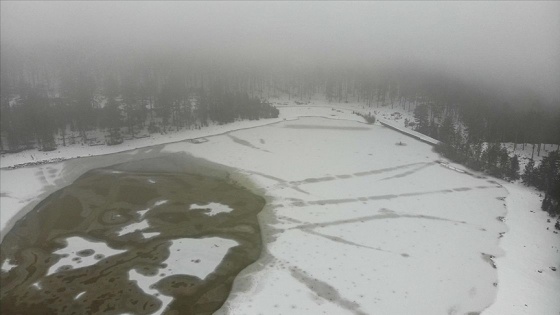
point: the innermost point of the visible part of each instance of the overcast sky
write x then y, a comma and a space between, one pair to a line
506, 42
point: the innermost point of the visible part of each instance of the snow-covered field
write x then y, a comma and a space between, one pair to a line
355, 223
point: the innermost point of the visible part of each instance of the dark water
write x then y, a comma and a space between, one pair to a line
97, 207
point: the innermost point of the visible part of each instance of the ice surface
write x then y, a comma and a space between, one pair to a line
160, 202
80, 252
142, 213
188, 256
197, 257
150, 234
527, 283
212, 208
7, 265
137, 226
142, 224
18, 189
367, 221
145, 283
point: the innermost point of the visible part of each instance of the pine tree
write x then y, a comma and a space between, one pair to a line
421, 117
504, 161
528, 176
513, 171
447, 133
112, 119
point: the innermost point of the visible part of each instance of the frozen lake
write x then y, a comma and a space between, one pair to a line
354, 222
357, 222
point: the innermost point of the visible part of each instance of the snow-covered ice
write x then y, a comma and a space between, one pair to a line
528, 285
212, 208
363, 223
195, 257
160, 202
141, 223
7, 265
80, 252
137, 226
146, 284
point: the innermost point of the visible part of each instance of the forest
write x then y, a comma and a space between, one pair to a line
55, 100
49, 108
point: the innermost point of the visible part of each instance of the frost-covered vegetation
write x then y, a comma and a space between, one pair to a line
546, 177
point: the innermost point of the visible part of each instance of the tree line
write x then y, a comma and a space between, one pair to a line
475, 138
474, 134
48, 98
34, 116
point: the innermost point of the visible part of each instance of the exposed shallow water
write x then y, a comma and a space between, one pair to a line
121, 241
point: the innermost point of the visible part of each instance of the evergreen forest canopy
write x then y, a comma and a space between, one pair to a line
48, 94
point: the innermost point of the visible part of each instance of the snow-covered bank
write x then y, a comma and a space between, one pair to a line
358, 224
529, 272
79, 150
409, 132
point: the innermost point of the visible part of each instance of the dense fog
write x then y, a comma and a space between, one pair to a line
510, 45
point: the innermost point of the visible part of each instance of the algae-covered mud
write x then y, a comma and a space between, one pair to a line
122, 241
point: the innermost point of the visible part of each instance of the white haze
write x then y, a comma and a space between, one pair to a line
508, 44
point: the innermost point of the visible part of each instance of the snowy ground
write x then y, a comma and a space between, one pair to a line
356, 223
528, 285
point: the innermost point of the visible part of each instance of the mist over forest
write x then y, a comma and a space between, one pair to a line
88, 65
